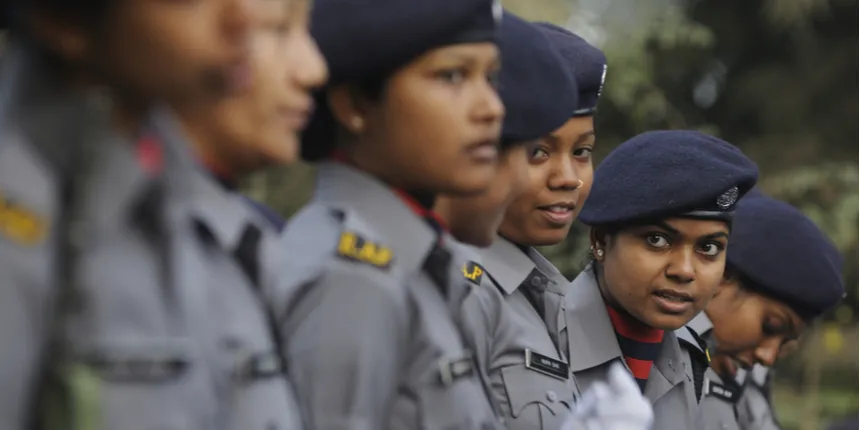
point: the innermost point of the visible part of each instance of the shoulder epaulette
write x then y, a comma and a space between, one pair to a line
353, 246
473, 272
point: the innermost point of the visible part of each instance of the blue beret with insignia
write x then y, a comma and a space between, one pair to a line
781, 253
538, 91
587, 63
661, 174
363, 39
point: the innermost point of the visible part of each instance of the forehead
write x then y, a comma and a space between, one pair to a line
691, 227
481, 52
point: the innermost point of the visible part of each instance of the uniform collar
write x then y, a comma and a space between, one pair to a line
701, 324
588, 323
510, 266
380, 207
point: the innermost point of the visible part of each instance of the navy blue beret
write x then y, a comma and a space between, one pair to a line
538, 91
662, 174
362, 39
366, 40
588, 65
785, 255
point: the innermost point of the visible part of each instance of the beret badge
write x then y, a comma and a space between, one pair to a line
728, 198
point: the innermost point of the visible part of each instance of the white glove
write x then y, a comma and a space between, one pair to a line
617, 404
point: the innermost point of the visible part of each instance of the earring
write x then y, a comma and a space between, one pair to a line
357, 123
599, 253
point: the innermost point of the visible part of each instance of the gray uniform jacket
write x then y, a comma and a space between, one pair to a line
528, 373
368, 314
162, 320
593, 347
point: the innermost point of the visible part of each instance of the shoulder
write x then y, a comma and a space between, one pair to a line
322, 241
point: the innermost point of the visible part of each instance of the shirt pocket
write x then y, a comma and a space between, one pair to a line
453, 399
144, 383
536, 400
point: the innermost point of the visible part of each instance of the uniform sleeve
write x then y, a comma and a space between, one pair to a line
487, 318
343, 339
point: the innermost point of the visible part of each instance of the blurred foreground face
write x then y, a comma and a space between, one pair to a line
261, 126
181, 52
474, 220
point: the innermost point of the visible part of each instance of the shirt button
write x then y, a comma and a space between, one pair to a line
551, 396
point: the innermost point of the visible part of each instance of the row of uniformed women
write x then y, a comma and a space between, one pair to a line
404, 119
370, 307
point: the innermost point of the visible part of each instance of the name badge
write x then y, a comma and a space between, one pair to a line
546, 365
451, 369
721, 392
138, 368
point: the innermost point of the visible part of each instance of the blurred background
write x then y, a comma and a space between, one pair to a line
778, 78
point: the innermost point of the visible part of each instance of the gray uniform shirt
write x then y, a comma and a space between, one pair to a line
593, 347
368, 314
147, 334
734, 404
528, 373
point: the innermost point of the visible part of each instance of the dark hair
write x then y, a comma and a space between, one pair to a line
87, 13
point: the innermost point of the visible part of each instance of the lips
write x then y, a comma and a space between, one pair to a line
673, 301
484, 151
559, 214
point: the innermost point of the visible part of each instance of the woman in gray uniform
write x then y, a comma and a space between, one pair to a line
367, 312
781, 273
660, 214
539, 396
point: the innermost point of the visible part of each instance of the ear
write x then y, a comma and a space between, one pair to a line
599, 241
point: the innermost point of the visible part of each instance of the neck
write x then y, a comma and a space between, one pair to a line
208, 153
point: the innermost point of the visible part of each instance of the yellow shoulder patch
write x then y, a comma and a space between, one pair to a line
708, 355
353, 247
473, 272
21, 225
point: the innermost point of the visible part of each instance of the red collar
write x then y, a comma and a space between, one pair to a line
632, 328
149, 154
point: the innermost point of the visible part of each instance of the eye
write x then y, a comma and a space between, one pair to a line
657, 240
583, 153
538, 153
493, 78
453, 76
712, 249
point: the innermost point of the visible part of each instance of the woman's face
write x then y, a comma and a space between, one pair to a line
261, 126
750, 328
663, 273
435, 127
178, 52
558, 182
475, 220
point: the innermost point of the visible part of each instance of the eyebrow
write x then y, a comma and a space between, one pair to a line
581, 138
674, 231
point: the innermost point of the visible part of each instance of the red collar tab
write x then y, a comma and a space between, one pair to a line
631, 328
422, 211
149, 154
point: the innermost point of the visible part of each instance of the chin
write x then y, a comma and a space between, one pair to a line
667, 322
471, 182
549, 237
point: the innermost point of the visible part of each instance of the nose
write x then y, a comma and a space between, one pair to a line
767, 352
490, 108
681, 268
311, 71
564, 176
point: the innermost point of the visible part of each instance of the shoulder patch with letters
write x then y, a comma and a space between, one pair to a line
353, 247
473, 272
20, 224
